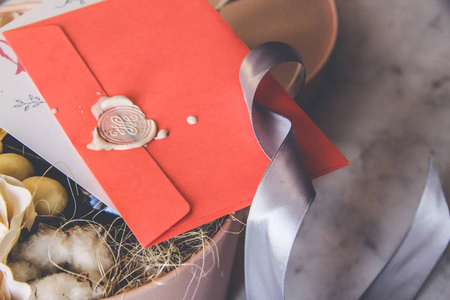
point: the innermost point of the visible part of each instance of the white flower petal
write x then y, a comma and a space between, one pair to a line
8, 243
16, 212
3, 211
17, 199
11, 289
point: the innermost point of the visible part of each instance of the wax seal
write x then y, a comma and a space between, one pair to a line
121, 125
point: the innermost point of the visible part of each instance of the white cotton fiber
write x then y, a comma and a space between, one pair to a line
24, 271
89, 253
46, 244
63, 286
79, 249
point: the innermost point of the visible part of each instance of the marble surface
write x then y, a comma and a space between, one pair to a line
385, 103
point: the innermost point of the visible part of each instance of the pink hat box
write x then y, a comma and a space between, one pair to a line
205, 275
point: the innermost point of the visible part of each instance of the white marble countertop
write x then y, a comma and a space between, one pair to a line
385, 103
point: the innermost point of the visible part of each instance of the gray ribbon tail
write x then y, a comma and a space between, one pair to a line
423, 245
285, 191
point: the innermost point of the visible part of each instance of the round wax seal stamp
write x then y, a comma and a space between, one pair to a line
121, 125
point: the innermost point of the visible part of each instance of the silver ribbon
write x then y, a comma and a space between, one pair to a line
286, 192
423, 245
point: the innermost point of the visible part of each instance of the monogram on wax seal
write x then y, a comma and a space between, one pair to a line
121, 125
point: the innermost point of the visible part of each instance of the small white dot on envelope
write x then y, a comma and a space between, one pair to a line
54, 110
192, 120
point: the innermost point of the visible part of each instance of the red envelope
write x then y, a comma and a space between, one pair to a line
173, 59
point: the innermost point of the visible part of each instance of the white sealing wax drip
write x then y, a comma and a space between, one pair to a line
121, 125
162, 134
192, 120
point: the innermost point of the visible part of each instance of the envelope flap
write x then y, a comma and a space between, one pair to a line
70, 88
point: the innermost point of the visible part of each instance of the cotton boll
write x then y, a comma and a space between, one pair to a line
24, 271
84, 249
65, 286
46, 242
80, 250
89, 252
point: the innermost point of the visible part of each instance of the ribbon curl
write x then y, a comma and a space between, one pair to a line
285, 191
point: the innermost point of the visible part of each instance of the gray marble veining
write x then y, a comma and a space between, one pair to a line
385, 103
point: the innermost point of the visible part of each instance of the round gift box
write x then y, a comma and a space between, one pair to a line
205, 275
310, 26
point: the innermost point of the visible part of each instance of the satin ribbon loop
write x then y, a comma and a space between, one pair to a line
267, 124
285, 191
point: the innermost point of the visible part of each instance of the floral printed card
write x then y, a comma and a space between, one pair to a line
20, 100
